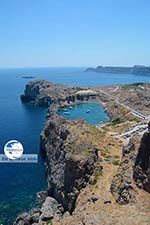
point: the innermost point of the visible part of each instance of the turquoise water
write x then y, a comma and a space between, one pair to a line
19, 183
92, 112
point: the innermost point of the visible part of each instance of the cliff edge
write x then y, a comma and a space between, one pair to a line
142, 164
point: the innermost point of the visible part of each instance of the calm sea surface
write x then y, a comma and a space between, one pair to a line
92, 112
20, 182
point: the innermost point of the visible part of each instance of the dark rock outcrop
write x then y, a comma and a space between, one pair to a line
69, 164
50, 209
44, 93
142, 165
34, 94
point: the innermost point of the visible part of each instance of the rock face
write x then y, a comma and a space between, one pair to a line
44, 93
33, 93
134, 165
50, 209
122, 187
142, 165
69, 164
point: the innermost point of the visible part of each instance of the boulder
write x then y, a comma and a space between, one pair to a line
51, 209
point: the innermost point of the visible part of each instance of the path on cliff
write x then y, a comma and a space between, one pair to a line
133, 111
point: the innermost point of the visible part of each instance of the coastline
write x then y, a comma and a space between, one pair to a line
136, 70
64, 128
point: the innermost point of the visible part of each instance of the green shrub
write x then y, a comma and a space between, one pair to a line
115, 162
115, 122
49, 222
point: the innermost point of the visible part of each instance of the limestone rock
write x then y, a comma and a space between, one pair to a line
50, 209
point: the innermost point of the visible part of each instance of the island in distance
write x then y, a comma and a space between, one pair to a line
137, 69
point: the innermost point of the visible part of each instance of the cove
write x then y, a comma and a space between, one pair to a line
92, 112
20, 183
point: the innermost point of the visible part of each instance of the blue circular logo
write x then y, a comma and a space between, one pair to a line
13, 149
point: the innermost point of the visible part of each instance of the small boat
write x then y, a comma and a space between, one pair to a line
88, 111
102, 122
70, 107
64, 109
66, 113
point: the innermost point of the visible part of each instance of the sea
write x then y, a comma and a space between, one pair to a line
92, 112
19, 183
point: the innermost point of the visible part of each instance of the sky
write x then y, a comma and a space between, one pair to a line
39, 33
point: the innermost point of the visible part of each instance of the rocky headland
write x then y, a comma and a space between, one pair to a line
137, 69
95, 174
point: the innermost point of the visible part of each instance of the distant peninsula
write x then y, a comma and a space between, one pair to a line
137, 69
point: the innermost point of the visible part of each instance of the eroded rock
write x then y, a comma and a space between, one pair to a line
69, 163
51, 209
142, 164
122, 187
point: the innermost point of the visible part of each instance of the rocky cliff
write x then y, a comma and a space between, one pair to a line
44, 93
135, 165
142, 164
70, 160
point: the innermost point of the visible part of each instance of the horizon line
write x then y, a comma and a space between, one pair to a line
75, 66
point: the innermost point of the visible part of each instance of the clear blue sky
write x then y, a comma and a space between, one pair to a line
74, 32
